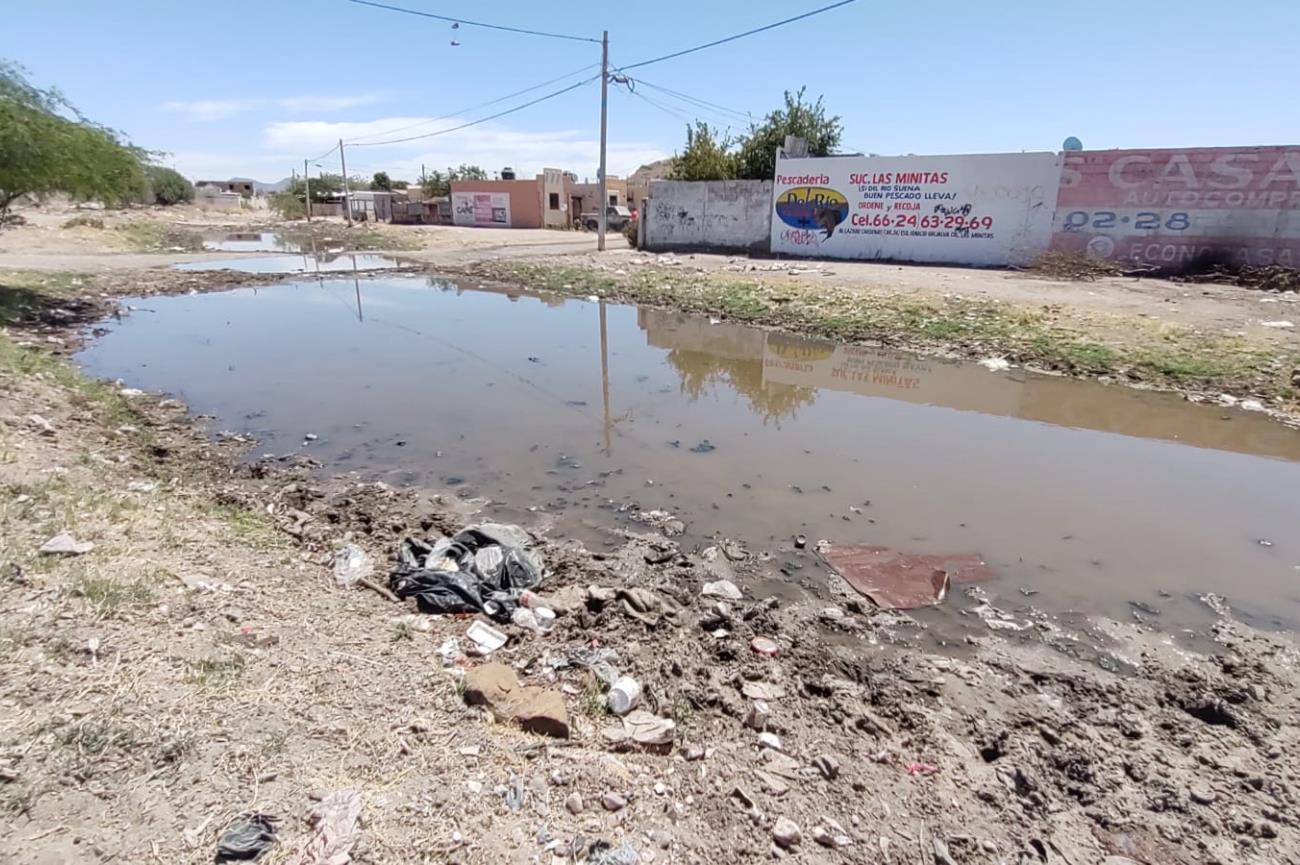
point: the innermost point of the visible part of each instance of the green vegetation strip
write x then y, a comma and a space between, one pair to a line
1139, 350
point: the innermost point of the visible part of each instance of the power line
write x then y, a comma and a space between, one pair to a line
729, 38
360, 139
323, 155
694, 101
532, 102
665, 109
522, 30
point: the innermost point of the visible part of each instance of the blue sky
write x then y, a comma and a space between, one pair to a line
251, 88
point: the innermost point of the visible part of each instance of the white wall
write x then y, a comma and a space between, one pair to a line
718, 214
990, 209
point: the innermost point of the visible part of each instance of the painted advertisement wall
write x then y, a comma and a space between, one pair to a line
481, 209
990, 209
1174, 209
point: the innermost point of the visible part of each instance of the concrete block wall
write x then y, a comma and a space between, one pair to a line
719, 215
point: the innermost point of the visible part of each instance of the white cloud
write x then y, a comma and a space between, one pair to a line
219, 109
490, 146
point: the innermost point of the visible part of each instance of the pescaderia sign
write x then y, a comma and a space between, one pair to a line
988, 209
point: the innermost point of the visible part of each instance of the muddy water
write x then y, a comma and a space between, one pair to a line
1090, 496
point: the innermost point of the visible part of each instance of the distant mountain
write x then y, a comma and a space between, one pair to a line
651, 171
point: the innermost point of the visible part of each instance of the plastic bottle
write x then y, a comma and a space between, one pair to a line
624, 695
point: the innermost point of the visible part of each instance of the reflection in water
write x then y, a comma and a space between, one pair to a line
254, 241
305, 263
708, 357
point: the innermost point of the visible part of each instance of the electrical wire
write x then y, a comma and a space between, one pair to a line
361, 138
531, 102
772, 26
720, 110
323, 155
665, 109
522, 30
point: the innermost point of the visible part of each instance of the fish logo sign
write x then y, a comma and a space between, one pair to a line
812, 207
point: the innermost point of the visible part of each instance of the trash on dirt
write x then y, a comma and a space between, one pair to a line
40, 424
64, 544
1285, 325
704, 447
246, 839
485, 638
536, 710
351, 564
764, 646
897, 580
603, 853
624, 695
644, 729
142, 487
996, 364
450, 652
484, 568
722, 589
334, 820
1217, 603
762, 691
758, 716
922, 769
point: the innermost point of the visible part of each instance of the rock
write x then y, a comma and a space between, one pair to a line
234, 614
785, 832
828, 766
64, 544
537, 710
661, 839
573, 804
648, 729
1202, 794
725, 589
758, 716
769, 740
613, 802
941, 856
695, 752
762, 691
823, 836
40, 424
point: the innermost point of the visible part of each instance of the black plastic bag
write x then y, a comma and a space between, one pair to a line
246, 839
483, 569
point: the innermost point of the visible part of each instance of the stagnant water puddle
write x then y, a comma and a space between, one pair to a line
306, 262
1083, 496
254, 241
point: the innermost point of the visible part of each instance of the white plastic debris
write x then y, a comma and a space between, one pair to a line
1286, 325
486, 638
450, 652
64, 544
624, 695
351, 564
996, 364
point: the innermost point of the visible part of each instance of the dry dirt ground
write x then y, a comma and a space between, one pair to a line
199, 663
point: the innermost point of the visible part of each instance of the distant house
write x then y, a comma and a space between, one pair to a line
245, 188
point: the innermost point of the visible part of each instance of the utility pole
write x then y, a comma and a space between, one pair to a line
604, 120
347, 203
306, 178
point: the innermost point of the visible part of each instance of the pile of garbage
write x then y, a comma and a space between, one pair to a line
483, 569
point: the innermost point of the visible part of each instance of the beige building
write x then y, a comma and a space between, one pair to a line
586, 195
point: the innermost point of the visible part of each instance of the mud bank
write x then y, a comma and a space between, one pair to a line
199, 663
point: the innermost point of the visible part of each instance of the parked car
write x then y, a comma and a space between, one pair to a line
615, 218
